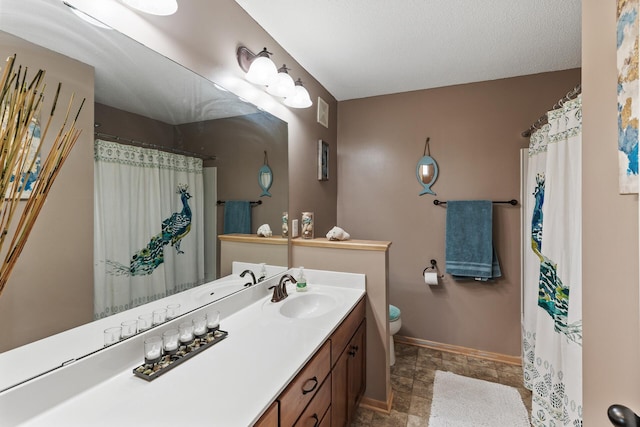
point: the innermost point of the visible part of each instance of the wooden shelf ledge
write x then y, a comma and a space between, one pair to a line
362, 245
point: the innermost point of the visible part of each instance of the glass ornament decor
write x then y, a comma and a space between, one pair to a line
265, 177
427, 170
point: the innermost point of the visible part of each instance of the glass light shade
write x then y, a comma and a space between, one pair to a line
262, 71
282, 85
87, 18
300, 98
154, 7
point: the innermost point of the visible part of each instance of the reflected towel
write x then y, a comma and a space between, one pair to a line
237, 217
469, 248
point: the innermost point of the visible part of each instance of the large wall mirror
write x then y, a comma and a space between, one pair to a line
139, 96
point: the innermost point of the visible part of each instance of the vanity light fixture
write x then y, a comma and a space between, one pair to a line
300, 98
259, 67
154, 7
86, 17
283, 85
262, 71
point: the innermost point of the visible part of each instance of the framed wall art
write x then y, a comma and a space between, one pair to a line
323, 161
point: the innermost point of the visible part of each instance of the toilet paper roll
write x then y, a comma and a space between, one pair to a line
431, 277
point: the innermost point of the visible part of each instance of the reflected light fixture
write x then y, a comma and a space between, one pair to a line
259, 67
283, 85
87, 18
154, 7
300, 97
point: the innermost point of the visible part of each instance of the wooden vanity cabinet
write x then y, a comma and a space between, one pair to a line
270, 417
349, 369
326, 391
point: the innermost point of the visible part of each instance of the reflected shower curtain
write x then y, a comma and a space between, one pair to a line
148, 226
552, 270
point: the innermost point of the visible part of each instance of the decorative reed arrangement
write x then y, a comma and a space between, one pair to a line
20, 104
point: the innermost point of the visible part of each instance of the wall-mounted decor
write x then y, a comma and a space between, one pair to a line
31, 168
323, 161
628, 97
323, 112
265, 177
427, 170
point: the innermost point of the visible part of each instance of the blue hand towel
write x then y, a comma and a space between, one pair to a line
237, 217
469, 248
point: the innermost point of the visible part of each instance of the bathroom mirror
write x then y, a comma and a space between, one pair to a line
133, 81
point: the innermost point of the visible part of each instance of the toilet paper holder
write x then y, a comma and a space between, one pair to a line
434, 266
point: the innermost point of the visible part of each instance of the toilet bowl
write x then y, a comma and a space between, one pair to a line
395, 322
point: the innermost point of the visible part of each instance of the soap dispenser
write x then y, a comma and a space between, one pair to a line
301, 285
263, 272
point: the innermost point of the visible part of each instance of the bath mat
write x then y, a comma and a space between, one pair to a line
460, 401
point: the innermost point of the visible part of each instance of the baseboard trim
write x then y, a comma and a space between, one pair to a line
378, 405
496, 357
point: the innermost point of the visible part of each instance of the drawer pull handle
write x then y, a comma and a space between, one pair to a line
315, 417
315, 384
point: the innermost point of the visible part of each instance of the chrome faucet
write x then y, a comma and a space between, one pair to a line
280, 290
253, 276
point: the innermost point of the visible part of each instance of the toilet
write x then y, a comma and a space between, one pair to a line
395, 322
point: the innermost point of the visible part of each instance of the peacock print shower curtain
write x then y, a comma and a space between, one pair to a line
148, 225
552, 270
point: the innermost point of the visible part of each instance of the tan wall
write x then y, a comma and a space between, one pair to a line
51, 287
610, 308
475, 138
128, 125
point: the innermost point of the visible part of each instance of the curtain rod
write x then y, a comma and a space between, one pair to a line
511, 202
542, 120
157, 147
252, 203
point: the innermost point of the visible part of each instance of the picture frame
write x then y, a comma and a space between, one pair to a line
323, 161
628, 96
323, 112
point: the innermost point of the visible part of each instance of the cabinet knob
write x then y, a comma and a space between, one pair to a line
316, 420
309, 390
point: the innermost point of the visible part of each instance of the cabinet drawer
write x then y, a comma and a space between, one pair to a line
345, 331
304, 386
312, 416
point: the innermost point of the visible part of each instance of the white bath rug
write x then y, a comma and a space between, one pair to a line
460, 401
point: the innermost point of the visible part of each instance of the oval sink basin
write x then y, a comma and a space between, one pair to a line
307, 306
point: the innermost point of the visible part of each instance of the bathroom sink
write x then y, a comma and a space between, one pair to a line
307, 306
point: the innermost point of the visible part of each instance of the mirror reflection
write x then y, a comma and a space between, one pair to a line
150, 108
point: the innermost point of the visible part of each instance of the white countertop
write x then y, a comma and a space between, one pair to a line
230, 384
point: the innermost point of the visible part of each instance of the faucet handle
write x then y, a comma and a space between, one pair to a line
277, 294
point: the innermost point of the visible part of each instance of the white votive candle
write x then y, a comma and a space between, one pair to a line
186, 332
170, 340
152, 349
200, 326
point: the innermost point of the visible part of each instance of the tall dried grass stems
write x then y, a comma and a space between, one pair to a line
20, 104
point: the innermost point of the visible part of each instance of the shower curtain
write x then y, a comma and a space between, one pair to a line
148, 226
552, 270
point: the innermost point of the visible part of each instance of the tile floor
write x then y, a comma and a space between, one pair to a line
412, 383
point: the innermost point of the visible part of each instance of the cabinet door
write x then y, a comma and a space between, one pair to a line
270, 417
356, 369
339, 391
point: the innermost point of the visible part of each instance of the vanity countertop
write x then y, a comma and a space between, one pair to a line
230, 384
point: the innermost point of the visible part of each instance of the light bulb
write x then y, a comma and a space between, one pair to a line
262, 71
282, 85
300, 97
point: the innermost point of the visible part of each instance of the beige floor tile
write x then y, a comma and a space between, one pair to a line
412, 383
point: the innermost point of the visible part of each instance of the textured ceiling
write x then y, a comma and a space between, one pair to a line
362, 48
